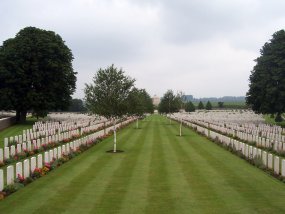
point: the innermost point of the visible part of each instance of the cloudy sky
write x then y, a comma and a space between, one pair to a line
201, 47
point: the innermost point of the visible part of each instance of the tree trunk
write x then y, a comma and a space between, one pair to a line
21, 116
17, 116
115, 137
278, 117
181, 127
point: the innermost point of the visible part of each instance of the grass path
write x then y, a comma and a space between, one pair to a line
16, 129
159, 172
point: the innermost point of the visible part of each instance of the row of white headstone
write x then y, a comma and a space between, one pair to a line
264, 139
29, 134
40, 142
26, 167
271, 161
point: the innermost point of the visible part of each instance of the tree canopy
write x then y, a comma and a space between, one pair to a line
189, 107
139, 102
267, 80
201, 105
77, 105
36, 73
169, 103
109, 94
208, 106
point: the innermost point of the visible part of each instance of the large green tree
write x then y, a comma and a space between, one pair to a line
201, 105
77, 105
139, 103
169, 103
108, 95
189, 107
267, 80
36, 72
208, 106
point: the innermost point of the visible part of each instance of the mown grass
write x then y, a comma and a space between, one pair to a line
16, 129
158, 172
271, 120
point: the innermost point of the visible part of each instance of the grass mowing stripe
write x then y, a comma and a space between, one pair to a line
203, 189
99, 179
232, 173
136, 196
83, 177
246, 189
117, 183
180, 187
160, 199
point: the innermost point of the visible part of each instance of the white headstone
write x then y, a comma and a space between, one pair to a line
26, 168
24, 146
6, 153
63, 151
19, 148
6, 142
264, 158
270, 158
17, 139
29, 146
20, 139
1, 180
55, 153
40, 161
59, 151
38, 143
283, 168
33, 164
12, 151
276, 165
24, 138
10, 175
19, 169
46, 157
51, 155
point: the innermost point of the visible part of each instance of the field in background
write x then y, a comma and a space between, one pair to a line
230, 105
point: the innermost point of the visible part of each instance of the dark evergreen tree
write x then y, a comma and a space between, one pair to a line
267, 80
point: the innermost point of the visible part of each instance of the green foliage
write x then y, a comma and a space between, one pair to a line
221, 104
169, 103
139, 102
35, 72
189, 107
201, 105
109, 93
77, 105
267, 80
208, 106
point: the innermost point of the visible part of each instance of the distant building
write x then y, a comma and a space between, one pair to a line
155, 100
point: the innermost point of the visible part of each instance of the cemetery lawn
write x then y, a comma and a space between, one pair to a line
158, 172
16, 129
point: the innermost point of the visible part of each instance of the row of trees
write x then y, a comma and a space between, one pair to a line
171, 102
113, 95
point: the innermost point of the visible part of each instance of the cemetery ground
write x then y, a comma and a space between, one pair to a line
16, 129
158, 172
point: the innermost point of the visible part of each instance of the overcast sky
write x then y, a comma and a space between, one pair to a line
201, 47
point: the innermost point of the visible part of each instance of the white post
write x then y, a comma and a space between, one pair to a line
115, 137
